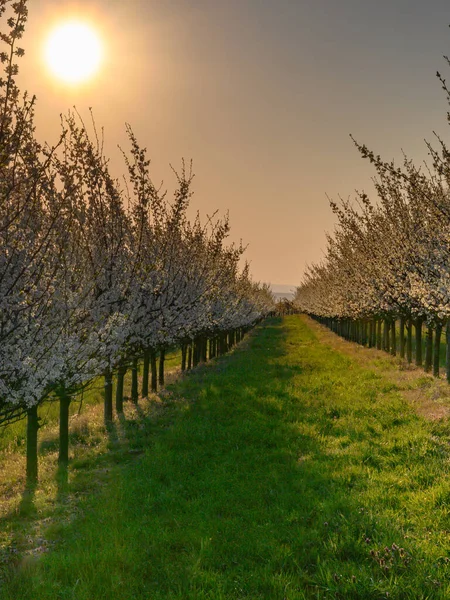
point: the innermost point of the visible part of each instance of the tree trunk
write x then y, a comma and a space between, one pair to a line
108, 398
154, 370
222, 344
437, 349
183, 357
32, 446
145, 373
379, 334
386, 336
119, 389
393, 339
447, 354
428, 349
409, 341
402, 337
419, 342
195, 353
189, 357
233, 337
162, 357
134, 382
64, 404
370, 333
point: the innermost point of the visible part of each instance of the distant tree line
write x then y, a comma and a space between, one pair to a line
284, 307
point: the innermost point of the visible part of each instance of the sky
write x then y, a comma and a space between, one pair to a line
262, 95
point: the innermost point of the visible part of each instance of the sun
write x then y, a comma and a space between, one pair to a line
73, 52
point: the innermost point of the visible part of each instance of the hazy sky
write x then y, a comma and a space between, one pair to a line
262, 95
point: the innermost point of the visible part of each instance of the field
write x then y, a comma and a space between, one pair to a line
299, 466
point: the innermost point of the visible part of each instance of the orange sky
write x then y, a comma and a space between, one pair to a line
262, 96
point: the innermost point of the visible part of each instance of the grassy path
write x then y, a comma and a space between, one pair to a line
429, 396
288, 470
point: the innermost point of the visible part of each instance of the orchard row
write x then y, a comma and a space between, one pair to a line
96, 274
387, 265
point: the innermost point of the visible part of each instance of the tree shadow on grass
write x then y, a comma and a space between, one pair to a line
113, 434
27, 506
141, 414
62, 482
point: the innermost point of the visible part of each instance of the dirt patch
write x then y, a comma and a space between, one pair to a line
426, 407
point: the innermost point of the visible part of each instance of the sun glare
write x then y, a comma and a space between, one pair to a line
73, 52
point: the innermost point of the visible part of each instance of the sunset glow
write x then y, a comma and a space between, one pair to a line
73, 52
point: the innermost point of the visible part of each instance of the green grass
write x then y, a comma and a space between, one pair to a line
283, 471
13, 437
